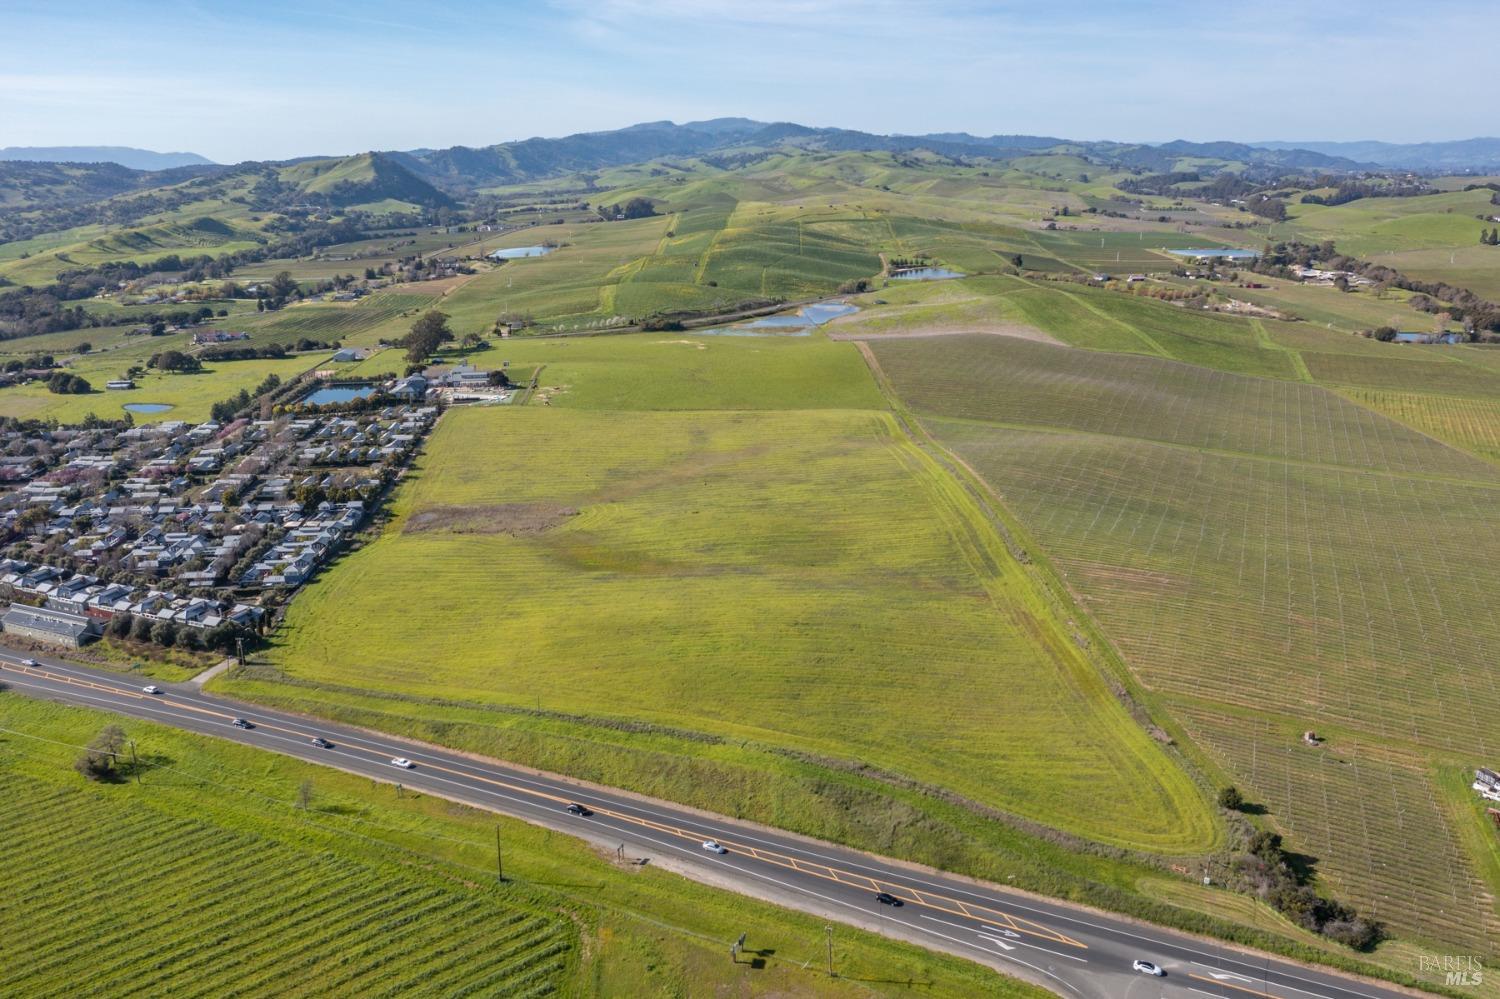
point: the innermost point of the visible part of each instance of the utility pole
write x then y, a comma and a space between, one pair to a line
135, 765
499, 857
828, 930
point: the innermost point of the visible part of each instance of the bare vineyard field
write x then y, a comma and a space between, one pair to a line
1256, 546
1357, 808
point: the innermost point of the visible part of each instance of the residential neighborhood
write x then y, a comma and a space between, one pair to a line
202, 526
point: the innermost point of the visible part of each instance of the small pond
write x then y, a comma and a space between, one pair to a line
147, 407
1429, 338
799, 323
1218, 254
518, 252
925, 274
337, 393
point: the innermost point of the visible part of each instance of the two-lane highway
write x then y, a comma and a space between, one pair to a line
1070, 949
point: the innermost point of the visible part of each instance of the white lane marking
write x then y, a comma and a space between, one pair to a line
997, 941
1221, 974
1018, 940
1061, 981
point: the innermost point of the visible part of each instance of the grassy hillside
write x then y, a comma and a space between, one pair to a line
217, 881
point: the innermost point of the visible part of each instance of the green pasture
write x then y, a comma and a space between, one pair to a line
713, 572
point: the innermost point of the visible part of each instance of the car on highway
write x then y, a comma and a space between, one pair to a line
576, 809
886, 898
713, 846
242, 723
29, 662
403, 763
151, 688
1147, 968
321, 742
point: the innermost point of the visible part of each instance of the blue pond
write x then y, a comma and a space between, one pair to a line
1429, 338
517, 252
925, 274
798, 323
337, 393
1218, 253
147, 407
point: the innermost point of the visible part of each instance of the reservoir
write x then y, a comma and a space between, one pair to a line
337, 393
146, 407
518, 252
798, 323
1218, 254
925, 274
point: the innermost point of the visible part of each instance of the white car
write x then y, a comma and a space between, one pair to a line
29, 662
403, 763
712, 846
151, 688
1147, 968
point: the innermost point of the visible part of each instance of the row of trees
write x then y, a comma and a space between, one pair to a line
1280, 879
222, 638
227, 409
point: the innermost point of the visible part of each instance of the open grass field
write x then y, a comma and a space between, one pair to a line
1372, 226
1260, 549
191, 396
715, 573
217, 883
685, 371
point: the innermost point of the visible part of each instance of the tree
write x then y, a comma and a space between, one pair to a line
1017, 260
62, 383
427, 334
282, 287
175, 360
32, 518
164, 633
1231, 799
98, 759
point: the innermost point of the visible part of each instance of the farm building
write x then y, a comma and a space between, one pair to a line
1487, 783
119, 383
47, 625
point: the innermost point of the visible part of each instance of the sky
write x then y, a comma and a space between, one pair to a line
274, 79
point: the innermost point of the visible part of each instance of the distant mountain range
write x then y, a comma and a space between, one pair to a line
135, 159
56, 177
532, 159
1461, 154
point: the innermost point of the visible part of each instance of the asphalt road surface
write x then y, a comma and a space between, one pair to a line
1072, 950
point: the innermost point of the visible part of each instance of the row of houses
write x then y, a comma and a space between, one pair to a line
195, 505
70, 607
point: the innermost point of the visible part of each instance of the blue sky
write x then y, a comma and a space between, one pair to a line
272, 79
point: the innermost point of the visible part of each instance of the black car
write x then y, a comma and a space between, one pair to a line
576, 809
886, 898
321, 742
241, 723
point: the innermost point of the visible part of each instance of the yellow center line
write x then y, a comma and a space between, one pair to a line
824, 871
